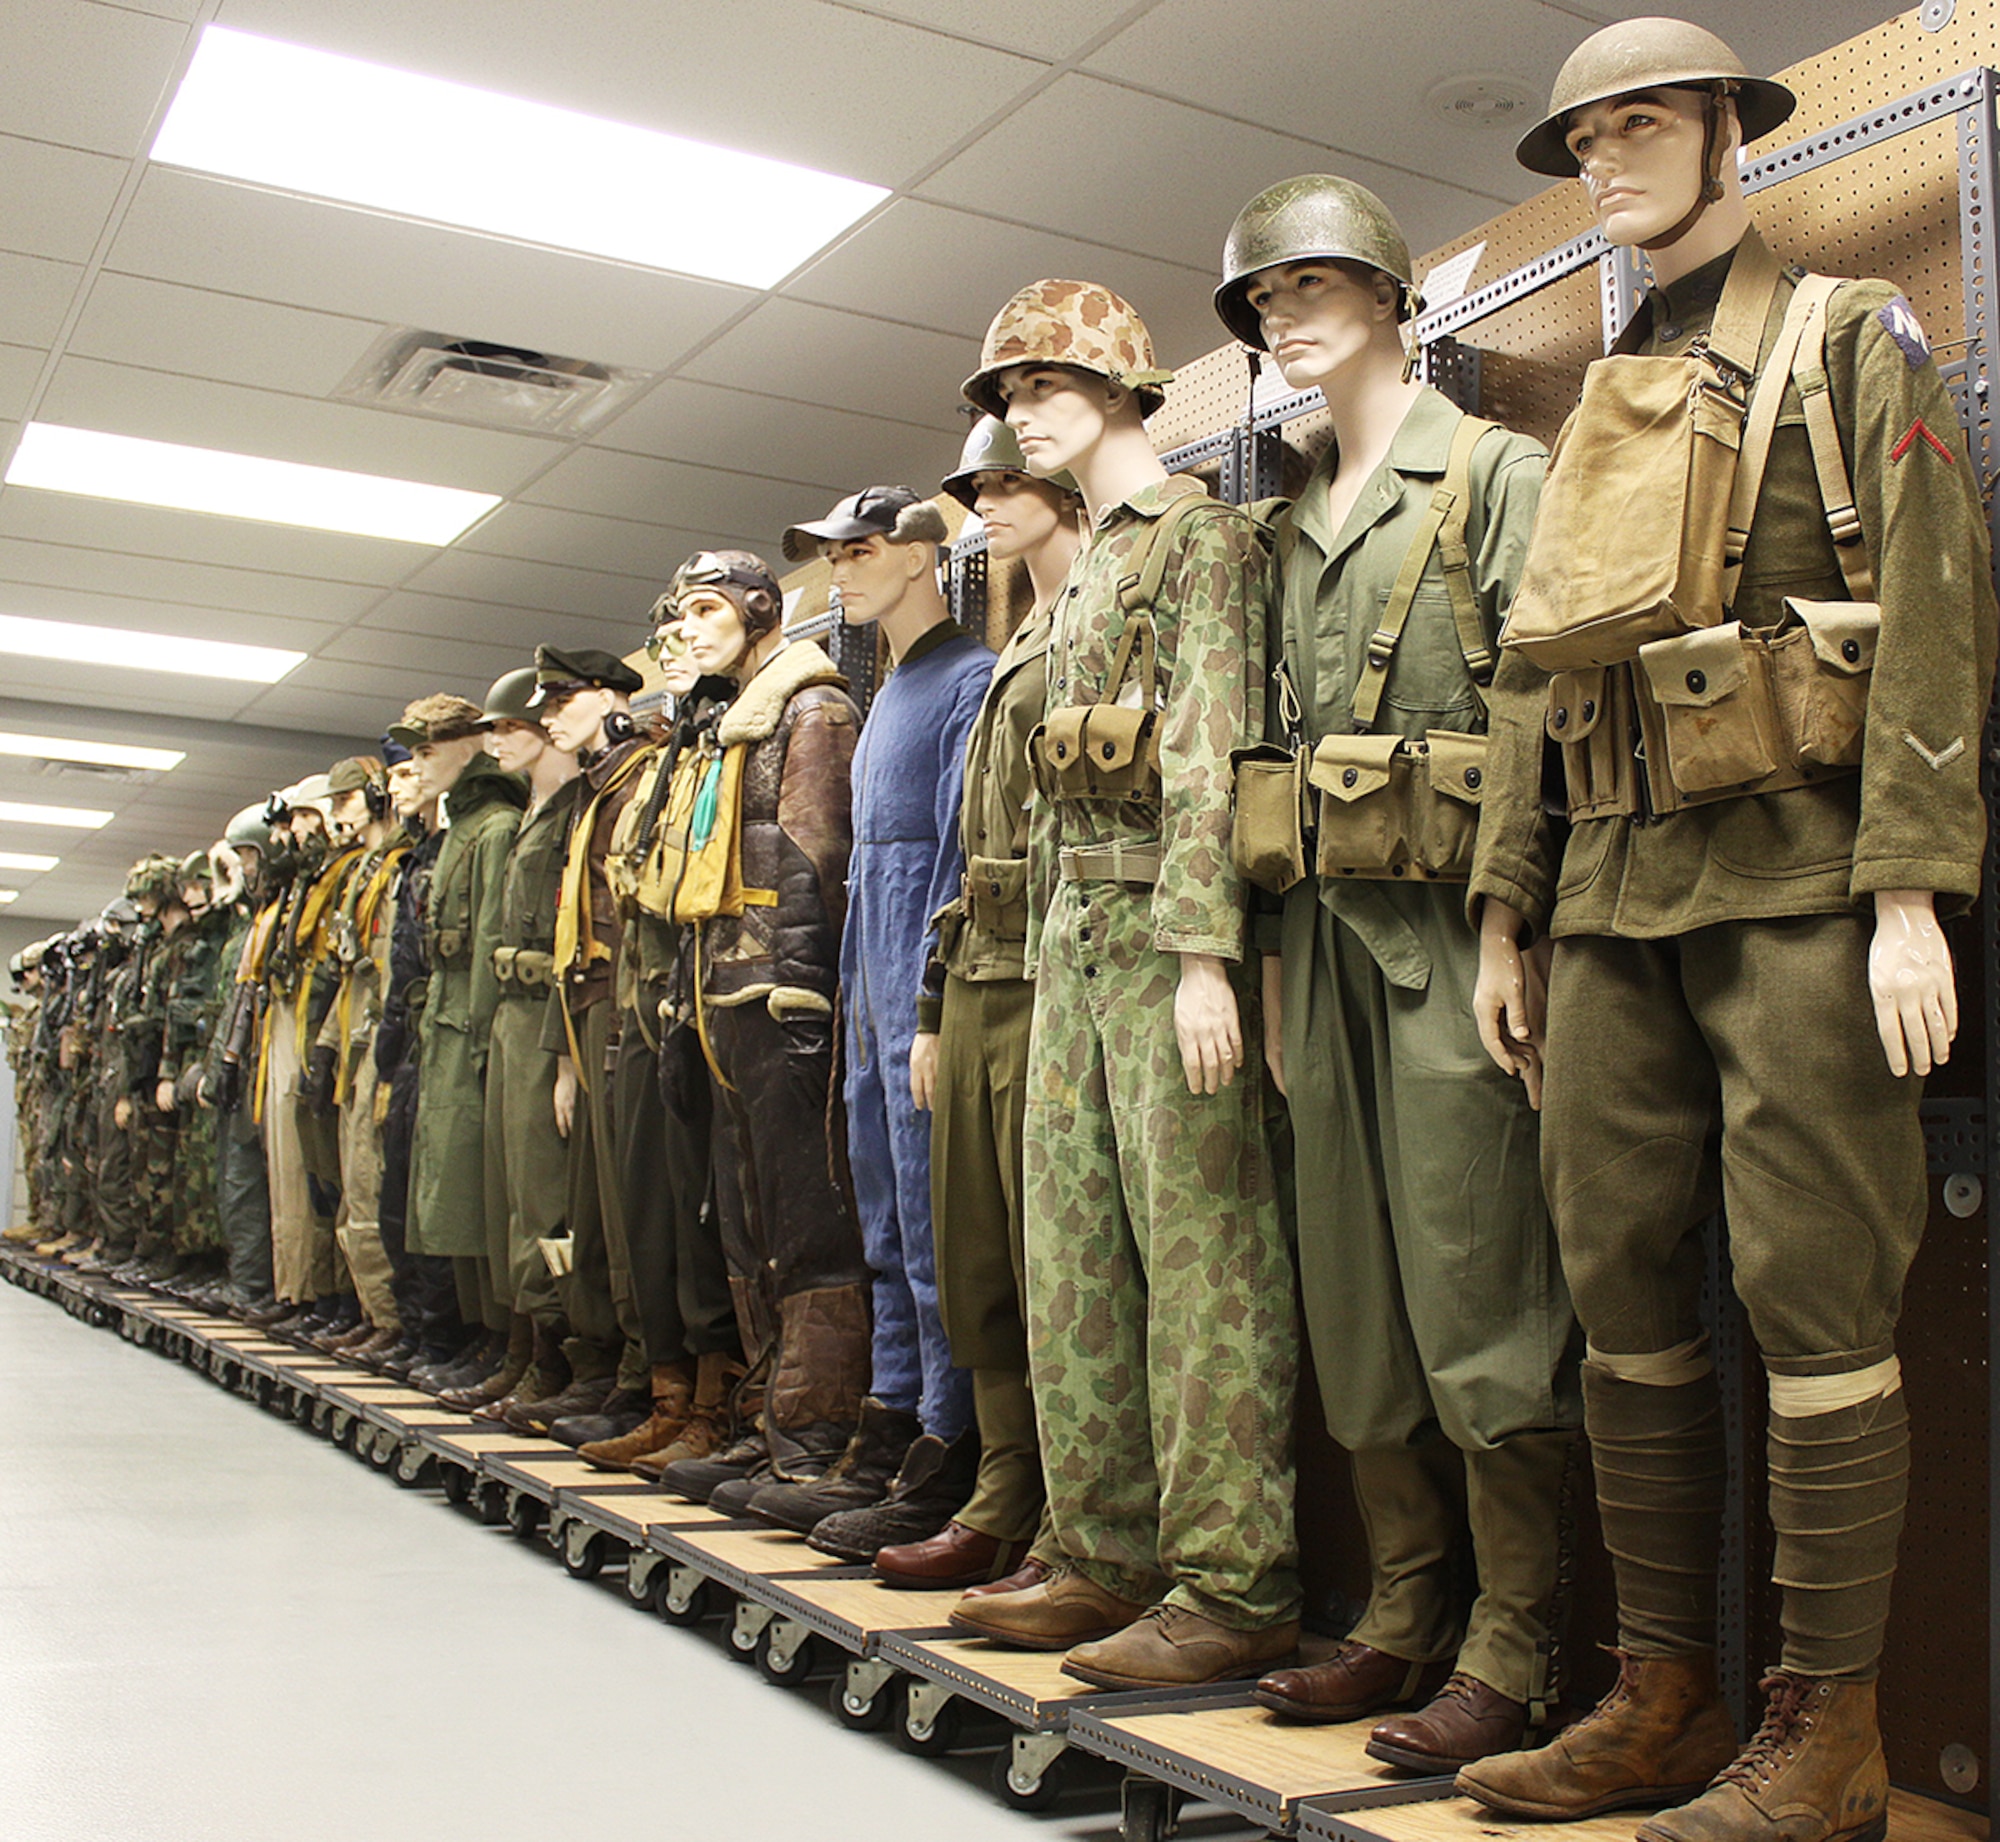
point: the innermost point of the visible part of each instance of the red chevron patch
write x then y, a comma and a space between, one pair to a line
1917, 428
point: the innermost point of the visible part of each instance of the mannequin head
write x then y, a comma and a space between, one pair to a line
1020, 512
1321, 319
672, 646
723, 613
1641, 158
1060, 415
406, 794
574, 720
877, 578
583, 699
517, 745
444, 734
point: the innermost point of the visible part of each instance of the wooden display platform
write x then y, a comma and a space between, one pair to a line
1026, 1687
634, 1510
471, 1449
854, 1612
742, 1556
1245, 1759
538, 1476
1459, 1819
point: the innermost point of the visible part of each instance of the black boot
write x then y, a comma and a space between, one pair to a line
934, 1484
697, 1479
859, 1479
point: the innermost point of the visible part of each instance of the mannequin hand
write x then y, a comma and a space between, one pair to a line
1206, 1024
201, 1098
163, 1096
565, 1094
1909, 977
923, 1070
121, 1112
1510, 999
1274, 1010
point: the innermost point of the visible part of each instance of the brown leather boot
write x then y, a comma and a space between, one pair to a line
673, 1402
708, 1424
1657, 1738
1813, 1772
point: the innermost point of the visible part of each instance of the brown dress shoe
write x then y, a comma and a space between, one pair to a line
1067, 1608
1355, 1682
1813, 1772
954, 1557
1657, 1738
1031, 1572
1466, 1720
1172, 1647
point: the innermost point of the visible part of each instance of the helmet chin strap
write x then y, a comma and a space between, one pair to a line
1710, 189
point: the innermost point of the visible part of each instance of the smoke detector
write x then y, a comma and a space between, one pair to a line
493, 385
1482, 100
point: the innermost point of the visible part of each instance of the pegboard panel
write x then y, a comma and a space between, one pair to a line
1532, 353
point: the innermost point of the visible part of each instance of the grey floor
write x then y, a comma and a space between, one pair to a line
216, 1628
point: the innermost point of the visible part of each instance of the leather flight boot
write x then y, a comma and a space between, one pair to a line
705, 1430
933, 1484
1659, 1736
1466, 1720
1813, 1772
1172, 1647
858, 1478
673, 1401
1355, 1682
1065, 1609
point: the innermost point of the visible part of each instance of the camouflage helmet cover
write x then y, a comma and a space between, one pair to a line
1647, 54
153, 875
1314, 215
1078, 324
992, 447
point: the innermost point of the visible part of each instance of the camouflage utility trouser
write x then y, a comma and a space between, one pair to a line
1162, 1330
197, 1223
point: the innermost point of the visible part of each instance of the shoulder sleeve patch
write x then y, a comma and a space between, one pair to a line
1899, 321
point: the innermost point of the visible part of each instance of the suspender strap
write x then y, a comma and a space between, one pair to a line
1442, 529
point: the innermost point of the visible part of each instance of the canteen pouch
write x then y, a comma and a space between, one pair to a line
1098, 751
1717, 714
1447, 803
1822, 656
1590, 716
1363, 804
1269, 818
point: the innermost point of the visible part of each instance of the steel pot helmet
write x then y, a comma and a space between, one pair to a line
992, 447
1077, 324
153, 876
738, 577
507, 698
1650, 54
1317, 215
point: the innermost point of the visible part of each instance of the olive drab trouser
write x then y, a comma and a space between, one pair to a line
1738, 1064
527, 1163
285, 1160
243, 1201
606, 1337
358, 1225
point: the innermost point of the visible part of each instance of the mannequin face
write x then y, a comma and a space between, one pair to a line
873, 575
308, 826
712, 626
406, 793
439, 764
516, 746
195, 899
672, 650
1319, 317
350, 813
1640, 161
1056, 414
576, 722
1020, 514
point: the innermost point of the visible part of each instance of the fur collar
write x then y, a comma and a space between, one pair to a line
761, 703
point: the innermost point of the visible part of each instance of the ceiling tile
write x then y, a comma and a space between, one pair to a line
161, 327
829, 87
20, 366
58, 683
820, 355
392, 686
483, 658
674, 493
681, 419
54, 200
356, 715
618, 546
191, 621
1070, 151
557, 591
37, 293
148, 578
130, 59
1051, 29
892, 267
522, 629
208, 233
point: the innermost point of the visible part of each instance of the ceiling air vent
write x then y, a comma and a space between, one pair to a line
93, 770
495, 386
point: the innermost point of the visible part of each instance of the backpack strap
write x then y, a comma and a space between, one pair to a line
1139, 589
1442, 530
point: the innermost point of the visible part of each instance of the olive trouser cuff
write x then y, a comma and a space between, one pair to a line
1007, 1496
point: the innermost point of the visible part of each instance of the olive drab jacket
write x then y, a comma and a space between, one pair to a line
1912, 817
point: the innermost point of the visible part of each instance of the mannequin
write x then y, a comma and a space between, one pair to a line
1744, 994
1460, 1422
1144, 1151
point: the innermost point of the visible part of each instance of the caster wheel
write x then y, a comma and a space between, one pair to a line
932, 1737
456, 1483
302, 1408
783, 1671
524, 1515
645, 1580
745, 1628
869, 1716
381, 1449
683, 1603
583, 1551
413, 1466
492, 1503
1020, 1792
1149, 1811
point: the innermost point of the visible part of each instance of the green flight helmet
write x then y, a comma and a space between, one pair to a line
1649, 54
992, 448
507, 701
1317, 215
250, 827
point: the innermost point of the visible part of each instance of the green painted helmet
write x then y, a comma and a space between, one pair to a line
1648, 54
992, 448
1315, 215
196, 872
249, 827
507, 700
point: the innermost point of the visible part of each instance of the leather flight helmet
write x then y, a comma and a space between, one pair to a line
1317, 215
1649, 54
992, 447
1077, 324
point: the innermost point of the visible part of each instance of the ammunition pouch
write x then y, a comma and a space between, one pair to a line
449, 944
995, 897
1270, 817
1392, 810
1590, 715
1711, 692
1097, 751
522, 972
1822, 659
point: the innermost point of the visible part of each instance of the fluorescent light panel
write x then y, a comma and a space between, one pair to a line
26, 860
333, 127
98, 754
100, 466
144, 652
77, 818
9, 895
